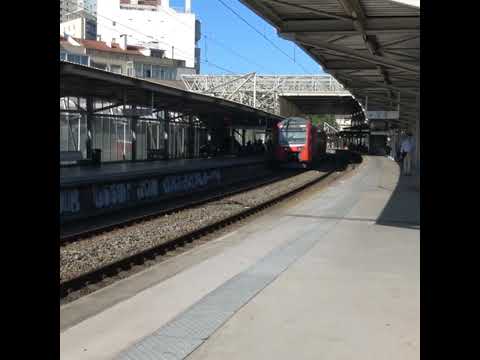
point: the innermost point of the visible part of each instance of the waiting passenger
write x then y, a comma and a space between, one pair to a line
388, 150
259, 147
269, 145
406, 151
249, 147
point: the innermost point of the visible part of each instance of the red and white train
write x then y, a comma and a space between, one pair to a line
297, 141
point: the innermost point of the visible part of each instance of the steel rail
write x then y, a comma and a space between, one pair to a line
124, 264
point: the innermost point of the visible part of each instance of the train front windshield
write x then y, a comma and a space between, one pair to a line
293, 136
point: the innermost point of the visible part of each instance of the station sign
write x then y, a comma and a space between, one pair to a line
382, 115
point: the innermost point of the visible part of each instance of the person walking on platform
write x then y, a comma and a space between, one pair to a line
406, 151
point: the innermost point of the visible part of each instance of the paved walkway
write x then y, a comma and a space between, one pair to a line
334, 277
354, 295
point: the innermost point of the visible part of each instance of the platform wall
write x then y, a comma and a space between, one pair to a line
82, 201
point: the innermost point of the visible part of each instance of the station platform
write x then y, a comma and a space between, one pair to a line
107, 172
334, 275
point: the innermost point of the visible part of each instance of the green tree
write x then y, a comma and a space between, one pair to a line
318, 120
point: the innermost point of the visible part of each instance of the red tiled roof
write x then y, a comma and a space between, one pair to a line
102, 46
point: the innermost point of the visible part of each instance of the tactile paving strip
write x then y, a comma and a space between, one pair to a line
181, 336
190, 329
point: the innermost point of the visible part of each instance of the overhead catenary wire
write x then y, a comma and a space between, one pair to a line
210, 37
201, 60
240, 56
188, 53
262, 35
217, 66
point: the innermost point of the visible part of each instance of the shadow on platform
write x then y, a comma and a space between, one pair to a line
403, 207
339, 161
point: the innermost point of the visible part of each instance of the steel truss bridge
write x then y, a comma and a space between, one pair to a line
264, 92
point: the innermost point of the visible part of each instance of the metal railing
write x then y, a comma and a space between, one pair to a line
329, 129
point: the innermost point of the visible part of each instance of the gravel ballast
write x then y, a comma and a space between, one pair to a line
86, 255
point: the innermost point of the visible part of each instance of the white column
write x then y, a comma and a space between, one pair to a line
79, 135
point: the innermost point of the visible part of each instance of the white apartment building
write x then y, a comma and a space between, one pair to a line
122, 59
83, 27
151, 24
68, 8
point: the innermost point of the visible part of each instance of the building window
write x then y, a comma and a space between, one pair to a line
84, 60
98, 65
138, 70
170, 74
77, 59
147, 70
116, 69
74, 58
156, 72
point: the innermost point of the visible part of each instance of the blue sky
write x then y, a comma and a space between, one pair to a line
224, 34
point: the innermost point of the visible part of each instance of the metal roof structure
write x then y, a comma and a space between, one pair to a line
83, 81
372, 47
311, 94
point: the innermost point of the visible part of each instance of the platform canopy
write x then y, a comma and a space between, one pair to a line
82, 81
372, 47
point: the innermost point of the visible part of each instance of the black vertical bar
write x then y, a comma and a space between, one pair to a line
133, 129
166, 132
134, 137
191, 137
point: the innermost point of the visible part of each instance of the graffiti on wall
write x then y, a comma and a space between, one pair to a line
107, 196
69, 201
111, 195
188, 182
147, 189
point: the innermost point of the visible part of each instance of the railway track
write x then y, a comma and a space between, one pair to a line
129, 262
93, 228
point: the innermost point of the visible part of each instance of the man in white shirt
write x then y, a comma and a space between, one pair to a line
406, 150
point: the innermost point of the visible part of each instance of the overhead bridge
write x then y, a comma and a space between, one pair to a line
283, 95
